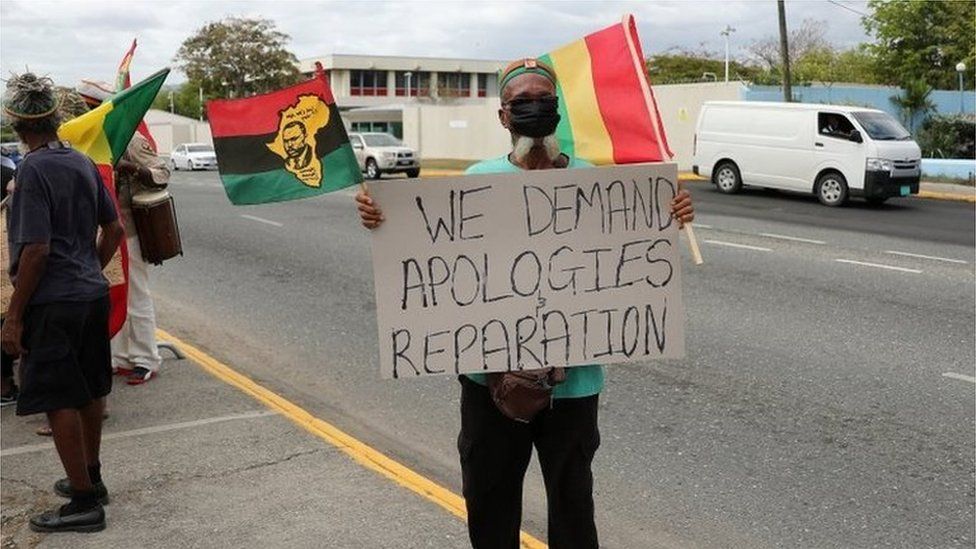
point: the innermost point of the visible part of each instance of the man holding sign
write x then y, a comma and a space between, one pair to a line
495, 449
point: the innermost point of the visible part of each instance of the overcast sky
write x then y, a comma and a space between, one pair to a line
70, 40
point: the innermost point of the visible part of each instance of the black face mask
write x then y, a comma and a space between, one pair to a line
534, 117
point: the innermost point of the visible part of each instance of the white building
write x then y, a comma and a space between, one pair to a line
445, 108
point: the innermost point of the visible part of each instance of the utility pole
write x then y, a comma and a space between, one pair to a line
729, 29
784, 49
201, 103
172, 110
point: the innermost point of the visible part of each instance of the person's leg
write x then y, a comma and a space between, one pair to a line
120, 350
566, 438
96, 376
495, 452
70, 444
91, 430
54, 383
142, 351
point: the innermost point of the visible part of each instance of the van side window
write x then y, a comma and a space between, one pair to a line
834, 125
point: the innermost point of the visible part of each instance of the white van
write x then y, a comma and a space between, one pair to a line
833, 151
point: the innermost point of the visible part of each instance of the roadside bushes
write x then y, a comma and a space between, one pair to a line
948, 136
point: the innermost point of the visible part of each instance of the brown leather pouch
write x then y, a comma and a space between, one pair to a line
522, 395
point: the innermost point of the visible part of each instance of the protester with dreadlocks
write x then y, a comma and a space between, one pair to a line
57, 320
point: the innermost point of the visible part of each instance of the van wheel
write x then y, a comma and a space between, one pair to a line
876, 200
413, 173
372, 170
831, 189
726, 178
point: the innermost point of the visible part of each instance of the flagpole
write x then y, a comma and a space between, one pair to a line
693, 244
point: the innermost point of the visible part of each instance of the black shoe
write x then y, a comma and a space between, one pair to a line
67, 520
63, 489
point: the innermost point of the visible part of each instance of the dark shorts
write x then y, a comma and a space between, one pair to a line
68, 363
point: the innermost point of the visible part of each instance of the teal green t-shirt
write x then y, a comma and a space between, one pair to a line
581, 381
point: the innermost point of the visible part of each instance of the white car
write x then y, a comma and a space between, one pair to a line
380, 153
193, 156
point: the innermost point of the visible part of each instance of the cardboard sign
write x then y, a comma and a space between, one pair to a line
518, 271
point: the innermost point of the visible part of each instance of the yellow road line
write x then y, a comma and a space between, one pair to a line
947, 196
359, 451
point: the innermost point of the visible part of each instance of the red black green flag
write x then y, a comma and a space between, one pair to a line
282, 145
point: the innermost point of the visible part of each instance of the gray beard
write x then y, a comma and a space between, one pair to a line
523, 146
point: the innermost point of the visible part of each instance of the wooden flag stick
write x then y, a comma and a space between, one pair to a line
693, 244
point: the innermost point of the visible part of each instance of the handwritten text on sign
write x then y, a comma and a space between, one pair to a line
526, 270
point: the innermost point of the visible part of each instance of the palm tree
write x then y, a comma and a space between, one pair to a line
914, 102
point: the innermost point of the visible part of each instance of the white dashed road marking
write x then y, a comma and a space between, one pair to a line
792, 238
734, 245
703, 226
262, 220
959, 376
879, 266
932, 257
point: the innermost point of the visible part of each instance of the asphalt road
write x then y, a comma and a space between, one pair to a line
812, 410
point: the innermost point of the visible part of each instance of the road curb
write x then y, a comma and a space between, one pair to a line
953, 197
928, 195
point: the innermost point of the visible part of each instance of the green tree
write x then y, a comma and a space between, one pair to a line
827, 65
186, 99
238, 56
689, 66
919, 39
914, 102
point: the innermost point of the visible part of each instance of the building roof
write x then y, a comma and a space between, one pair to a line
401, 63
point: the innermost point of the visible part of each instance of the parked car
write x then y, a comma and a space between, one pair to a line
833, 151
11, 150
380, 153
193, 156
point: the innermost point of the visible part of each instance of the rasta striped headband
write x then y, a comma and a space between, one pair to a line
525, 66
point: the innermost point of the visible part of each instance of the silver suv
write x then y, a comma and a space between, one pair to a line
380, 153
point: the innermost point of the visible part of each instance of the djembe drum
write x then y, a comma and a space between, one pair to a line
159, 234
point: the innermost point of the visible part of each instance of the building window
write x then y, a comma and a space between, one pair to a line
482, 85
453, 84
395, 128
367, 82
419, 83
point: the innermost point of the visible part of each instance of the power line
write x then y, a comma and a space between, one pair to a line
850, 9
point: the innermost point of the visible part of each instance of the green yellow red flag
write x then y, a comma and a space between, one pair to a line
103, 133
606, 104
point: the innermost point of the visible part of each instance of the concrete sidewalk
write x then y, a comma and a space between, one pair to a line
190, 461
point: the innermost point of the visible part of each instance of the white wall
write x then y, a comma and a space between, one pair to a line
679, 105
467, 132
168, 136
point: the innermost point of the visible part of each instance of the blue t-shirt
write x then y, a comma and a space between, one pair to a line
60, 200
581, 381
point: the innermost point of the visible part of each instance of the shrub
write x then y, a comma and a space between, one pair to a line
948, 136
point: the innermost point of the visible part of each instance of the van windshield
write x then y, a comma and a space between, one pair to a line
881, 126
